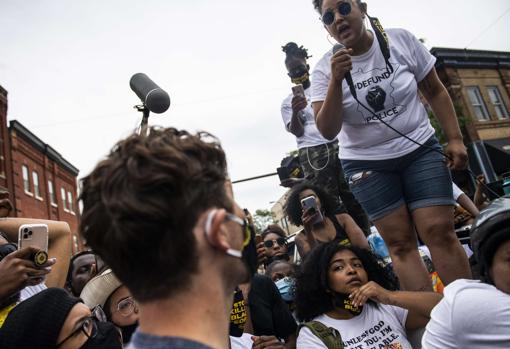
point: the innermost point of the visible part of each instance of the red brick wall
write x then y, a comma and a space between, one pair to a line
27, 205
5, 155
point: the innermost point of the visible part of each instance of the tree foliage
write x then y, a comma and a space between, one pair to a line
261, 219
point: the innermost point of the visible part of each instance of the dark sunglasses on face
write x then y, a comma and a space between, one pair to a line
270, 243
343, 8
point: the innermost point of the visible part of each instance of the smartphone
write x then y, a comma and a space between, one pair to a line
298, 90
310, 204
34, 235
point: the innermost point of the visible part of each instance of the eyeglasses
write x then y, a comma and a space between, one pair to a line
126, 306
244, 224
343, 8
279, 241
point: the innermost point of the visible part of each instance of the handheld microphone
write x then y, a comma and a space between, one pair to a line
348, 75
152, 96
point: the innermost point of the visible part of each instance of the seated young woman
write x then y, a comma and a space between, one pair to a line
320, 221
345, 289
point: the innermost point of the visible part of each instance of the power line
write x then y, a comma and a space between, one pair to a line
490, 26
253, 178
119, 115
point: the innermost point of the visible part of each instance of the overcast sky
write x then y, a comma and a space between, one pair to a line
67, 63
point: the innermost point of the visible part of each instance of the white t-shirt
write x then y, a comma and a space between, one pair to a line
374, 328
311, 136
457, 192
243, 342
472, 315
392, 96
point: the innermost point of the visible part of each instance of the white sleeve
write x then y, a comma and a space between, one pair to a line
286, 111
457, 192
320, 80
307, 340
481, 318
400, 314
421, 60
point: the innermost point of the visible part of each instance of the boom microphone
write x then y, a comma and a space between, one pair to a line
348, 75
152, 96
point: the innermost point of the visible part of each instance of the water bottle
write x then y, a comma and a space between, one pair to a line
377, 244
506, 183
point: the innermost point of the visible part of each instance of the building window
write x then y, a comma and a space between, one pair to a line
35, 179
64, 199
51, 193
477, 102
26, 180
70, 201
497, 102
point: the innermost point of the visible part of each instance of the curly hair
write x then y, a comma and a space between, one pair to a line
317, 4
293, 209
275, 229
312, 299
291, 49
141, 203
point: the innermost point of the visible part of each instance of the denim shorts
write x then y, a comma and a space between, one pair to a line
418, 179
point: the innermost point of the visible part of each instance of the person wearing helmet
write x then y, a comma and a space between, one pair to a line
476, 314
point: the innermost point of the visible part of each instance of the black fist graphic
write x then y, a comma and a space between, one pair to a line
376, 98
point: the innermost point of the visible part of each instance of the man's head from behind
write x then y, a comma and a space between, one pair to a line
141, 206
490, 241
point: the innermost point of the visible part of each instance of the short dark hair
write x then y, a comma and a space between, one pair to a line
141, 203
293, 208
270, 267
275, 229
312, 299
317, 4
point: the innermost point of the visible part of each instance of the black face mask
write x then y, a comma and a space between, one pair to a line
238, 315
107, 337
127, 332
343, 301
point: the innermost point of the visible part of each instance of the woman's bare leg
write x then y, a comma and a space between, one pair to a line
398, 233
435, 226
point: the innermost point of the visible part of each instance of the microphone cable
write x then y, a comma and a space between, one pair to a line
468, 170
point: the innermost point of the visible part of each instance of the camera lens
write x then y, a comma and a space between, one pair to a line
25, 230
25, 236
30, 232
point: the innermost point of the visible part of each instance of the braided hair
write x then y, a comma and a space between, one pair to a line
292, 50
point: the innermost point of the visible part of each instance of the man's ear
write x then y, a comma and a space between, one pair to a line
215, 231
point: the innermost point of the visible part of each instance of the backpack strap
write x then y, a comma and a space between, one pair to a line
328, 335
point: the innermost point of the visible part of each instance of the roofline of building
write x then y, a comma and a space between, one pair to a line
464, 58
41, 146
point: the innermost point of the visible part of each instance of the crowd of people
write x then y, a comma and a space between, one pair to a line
173, 261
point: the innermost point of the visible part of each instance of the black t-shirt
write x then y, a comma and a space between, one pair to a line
269, 314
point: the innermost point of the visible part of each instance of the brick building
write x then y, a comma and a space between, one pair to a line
42, 184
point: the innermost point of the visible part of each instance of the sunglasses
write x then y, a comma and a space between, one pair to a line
343, 8
279, 241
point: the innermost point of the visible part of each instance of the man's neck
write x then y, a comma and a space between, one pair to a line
200, 315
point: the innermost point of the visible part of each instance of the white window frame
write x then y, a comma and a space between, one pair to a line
497, 102
37, 187
478, 104
51, 193
25, 174
70, 201
63, 198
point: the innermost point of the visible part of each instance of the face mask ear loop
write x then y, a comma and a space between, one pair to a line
382, 39
207, 230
